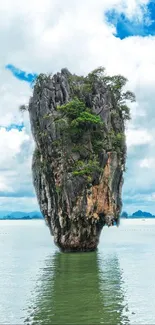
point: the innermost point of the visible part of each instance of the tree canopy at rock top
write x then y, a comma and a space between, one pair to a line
78, 124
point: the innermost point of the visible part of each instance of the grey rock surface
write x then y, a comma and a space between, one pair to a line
74, 211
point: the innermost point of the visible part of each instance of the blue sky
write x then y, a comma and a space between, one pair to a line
132, 26
18, 127
20, 74
116, 34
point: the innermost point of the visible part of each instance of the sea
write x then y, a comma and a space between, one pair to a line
40, 285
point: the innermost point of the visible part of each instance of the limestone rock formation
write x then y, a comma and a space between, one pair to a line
79, 159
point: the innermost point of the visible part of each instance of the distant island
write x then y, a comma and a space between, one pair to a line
18, 215
137, 215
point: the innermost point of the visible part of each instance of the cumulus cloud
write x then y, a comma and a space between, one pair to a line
24, 203
138, 137
147, 163
44, 36
16, 148
10, 144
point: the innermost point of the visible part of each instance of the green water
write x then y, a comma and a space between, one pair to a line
75, 291
40, 285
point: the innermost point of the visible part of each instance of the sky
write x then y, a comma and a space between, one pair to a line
43, 37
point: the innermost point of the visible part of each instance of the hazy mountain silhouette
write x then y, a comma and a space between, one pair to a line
18, 215
136, 215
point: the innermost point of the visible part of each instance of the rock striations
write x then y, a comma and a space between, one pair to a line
79, 159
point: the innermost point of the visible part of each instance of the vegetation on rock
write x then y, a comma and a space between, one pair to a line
23, 108
84, 87
82, 131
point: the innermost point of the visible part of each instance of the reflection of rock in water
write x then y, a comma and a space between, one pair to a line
73, 291
110, 283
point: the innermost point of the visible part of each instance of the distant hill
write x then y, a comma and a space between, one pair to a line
18, 215
137, 215
4, 213
142, 214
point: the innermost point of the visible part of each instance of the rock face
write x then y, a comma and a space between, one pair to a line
77, 203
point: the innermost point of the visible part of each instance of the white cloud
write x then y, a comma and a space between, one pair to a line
44, 36
138, 137
10, 145
152, 197
147, 163
17, 204
3, 185
15, 165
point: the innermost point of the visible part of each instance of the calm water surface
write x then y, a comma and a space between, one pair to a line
39, 285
